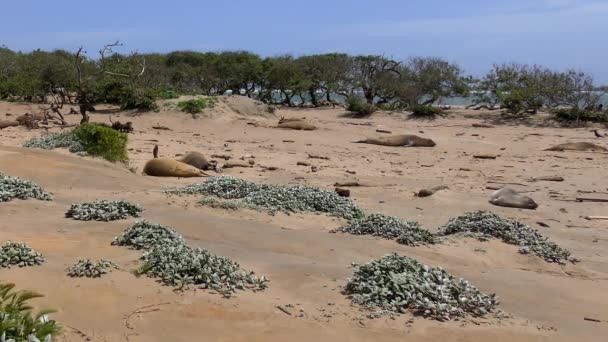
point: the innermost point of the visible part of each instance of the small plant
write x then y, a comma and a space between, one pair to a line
275, 198
194, 106
15, 187
406, 232
17, 324
56, 140
397, 283
484, 226
103, 142
91, 269
143, 101
357, 105
103, 211
180, 265
145, 235
423, 111
18, 254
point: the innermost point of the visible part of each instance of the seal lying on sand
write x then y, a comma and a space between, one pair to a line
506, 197
197, 160
4, 124
164, 167
297, 124
407, 140
578, 146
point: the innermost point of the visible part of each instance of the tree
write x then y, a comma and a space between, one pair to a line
377, 77
429, 79
110, 65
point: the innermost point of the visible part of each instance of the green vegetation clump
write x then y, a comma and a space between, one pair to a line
194, 106
92, 139
103, 142
168, 258
103, 211
145, 235
91, 269
484, 226
275, 198
572, 115
17, 323
424, 111
18, 254
181, 265
358, 106
15, 187
406, 232
56, 140
397, 283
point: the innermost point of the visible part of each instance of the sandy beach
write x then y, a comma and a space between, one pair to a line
308, 266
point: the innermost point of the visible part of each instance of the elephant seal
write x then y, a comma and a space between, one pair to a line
296, 124
197, 160
407, 140
510, 198
4, 124
578, 146
163, 167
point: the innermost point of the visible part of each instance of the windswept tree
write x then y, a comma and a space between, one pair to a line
110, 65
427, 80
328, 75
377, 77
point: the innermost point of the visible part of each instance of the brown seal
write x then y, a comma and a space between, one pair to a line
407, 140
506, 197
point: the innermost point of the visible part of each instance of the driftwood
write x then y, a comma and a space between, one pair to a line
480, 125
221, 156
349, 184
230, 165
314, 156
596, 218
301, 163
485, 156
547, 178
383, 131
591, 199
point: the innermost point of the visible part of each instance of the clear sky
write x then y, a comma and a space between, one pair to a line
473, 33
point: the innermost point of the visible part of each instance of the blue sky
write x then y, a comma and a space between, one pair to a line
472, 33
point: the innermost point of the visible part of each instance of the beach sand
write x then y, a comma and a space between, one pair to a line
307, 266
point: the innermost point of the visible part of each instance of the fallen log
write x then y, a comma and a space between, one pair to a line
591, 199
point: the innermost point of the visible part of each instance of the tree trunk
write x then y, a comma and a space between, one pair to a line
369, 95
83, 112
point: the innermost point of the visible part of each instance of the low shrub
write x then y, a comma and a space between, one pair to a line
15, 187
19, 254
144, 101
357, 105
423, 111
91, 269
570, 115
17, 323
103, 142
194, 106
397, 283
56, 140
103, 211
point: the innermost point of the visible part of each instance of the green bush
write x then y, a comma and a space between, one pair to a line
357, 105
577, 115
102, 142
18, 323
194, 106
422, 111
143, 100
